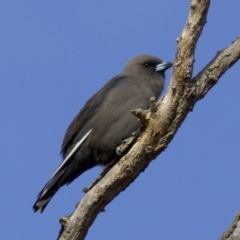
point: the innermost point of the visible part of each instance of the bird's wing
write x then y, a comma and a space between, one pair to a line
73, 151
82, 120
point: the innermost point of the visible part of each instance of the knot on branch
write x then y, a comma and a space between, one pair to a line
212, 79
193, 4
64, 221
141, 114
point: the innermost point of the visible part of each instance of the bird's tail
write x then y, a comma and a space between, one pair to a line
47, 192
58, 180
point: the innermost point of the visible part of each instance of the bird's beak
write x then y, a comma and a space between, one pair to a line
163, 66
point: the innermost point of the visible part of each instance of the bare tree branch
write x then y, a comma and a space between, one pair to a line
211, 73
233, 232
160, 123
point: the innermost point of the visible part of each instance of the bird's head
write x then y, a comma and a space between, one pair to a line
148, 70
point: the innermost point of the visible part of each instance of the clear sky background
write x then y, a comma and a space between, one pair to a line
54, 55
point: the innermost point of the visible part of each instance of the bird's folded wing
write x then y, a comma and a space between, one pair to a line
91, 107
73, 151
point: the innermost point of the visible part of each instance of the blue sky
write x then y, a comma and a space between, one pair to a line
54, 55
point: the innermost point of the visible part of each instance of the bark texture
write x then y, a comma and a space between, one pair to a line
233, 232
160, 123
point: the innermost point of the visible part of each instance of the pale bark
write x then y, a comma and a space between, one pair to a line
160, 123
233, 232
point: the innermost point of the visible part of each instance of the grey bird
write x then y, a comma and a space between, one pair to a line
105, 121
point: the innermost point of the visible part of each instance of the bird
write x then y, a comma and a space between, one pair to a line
105, 121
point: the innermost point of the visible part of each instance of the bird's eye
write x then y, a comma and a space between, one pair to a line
146, 65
